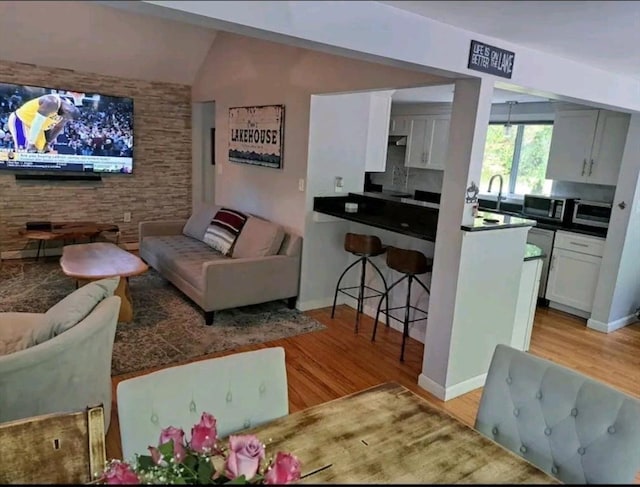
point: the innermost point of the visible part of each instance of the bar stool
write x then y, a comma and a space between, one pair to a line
365, 247
411, 263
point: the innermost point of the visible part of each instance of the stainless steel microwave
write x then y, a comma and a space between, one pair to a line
591, 213
547, 207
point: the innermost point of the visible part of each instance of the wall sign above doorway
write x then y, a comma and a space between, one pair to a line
490, 59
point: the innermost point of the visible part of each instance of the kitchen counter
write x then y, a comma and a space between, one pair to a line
533, 252
486, 220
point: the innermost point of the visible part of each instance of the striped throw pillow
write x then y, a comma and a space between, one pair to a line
223, 230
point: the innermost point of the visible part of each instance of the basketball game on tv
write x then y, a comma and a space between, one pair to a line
44, 129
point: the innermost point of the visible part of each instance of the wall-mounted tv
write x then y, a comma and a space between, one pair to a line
45, 129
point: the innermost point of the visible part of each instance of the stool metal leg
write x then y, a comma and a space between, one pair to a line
405, 332
335, 297
384, 296
384, 283
359, 308
424, 286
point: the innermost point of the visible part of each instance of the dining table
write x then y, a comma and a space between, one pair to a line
388, 434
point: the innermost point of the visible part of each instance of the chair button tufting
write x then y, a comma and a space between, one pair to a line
516, 412
581, 451
574, 412
523, 449
611, 429
508, 380
539, 395
229, 396
547, 431
247, 423
554, 470
494, 431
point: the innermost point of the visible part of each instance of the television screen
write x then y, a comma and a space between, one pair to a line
44, 129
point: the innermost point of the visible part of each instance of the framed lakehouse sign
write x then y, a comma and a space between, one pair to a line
256, 135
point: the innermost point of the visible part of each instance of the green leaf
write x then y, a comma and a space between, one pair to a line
179, 481
191, 462
145, 461
238, 480
167, 449
205, 472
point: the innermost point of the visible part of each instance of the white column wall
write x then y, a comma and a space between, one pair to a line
467, 135
618, 292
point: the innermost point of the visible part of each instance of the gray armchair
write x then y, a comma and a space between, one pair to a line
572, 427
65, 373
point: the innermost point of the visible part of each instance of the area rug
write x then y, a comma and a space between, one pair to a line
166, 328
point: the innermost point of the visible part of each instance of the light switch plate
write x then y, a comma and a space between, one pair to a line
301, 184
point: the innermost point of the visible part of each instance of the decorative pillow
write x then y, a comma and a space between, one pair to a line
76, 306
259, 238
18, 330
199, 220
224, 230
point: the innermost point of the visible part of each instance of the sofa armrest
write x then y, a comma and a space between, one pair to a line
159, 228
238, 282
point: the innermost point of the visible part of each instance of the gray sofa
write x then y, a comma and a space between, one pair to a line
264, 265
65, 373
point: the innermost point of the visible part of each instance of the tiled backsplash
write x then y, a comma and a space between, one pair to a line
400, 178
593, 192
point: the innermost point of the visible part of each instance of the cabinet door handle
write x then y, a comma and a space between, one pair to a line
577, 244
584, 166
591, 167
553, 260
426, 157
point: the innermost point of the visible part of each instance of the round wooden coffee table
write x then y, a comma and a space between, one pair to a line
99, 260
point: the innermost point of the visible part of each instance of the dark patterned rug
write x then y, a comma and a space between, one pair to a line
166, 327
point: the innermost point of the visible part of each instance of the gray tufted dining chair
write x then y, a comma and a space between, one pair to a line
241, 390
572, 427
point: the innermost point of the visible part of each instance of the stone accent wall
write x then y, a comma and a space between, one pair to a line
160, 186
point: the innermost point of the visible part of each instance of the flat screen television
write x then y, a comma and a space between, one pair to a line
54, 130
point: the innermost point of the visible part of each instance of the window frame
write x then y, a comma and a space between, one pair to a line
517, 149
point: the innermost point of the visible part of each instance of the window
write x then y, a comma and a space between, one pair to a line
520, 156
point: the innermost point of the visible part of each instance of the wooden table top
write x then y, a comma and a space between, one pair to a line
387, 434
69, 230
99, 260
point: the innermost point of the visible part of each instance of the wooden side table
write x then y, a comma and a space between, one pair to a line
69, 231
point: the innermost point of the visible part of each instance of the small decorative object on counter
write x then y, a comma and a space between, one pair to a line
204, 459
472, 197
351, 207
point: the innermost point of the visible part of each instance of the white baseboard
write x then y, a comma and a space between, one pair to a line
612, 325
455, 390
570, 309
52, 251
316, 303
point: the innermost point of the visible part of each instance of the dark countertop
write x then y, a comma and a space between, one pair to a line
533, 252
389, 197
497, 221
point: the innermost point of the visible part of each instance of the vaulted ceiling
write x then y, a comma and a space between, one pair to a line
85, 36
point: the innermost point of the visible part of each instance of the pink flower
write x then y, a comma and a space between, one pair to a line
120, 473
177, 435
204, 435
245, 454
156, 456
284, 470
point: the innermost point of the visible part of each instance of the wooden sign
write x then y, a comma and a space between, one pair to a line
256, 135
490, 59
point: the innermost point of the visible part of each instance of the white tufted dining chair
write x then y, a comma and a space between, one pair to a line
241, 390
572, 427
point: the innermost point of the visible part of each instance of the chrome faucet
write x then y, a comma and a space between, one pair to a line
500, 197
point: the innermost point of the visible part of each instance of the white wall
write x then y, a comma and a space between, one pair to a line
618, 291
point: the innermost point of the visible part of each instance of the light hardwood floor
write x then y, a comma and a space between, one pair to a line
334, 362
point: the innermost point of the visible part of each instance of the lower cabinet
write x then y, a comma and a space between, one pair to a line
526, 305
574, 271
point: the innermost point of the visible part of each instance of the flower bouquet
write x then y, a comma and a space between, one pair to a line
204, 460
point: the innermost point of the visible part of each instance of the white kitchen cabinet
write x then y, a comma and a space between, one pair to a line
378, 131
543, 238
587, 146
399, 125
526, 304
574, 271
428, 142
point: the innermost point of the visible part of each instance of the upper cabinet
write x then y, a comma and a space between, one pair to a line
378, 131
587, 146
427, 142
400, 125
